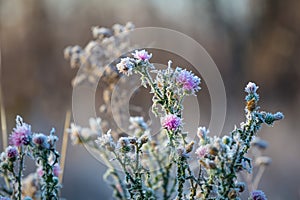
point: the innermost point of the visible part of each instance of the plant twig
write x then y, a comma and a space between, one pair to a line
64, 145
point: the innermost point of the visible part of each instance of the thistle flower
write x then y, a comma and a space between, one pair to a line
21, 135
188, 80
258, 195
142, 55
11, 153
125, 66
171, 122
40, 140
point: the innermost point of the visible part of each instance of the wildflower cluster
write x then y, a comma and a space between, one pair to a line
42, 184
159, 167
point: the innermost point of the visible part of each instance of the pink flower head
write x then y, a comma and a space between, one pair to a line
258, 195
202, 151
21, 135
188, 80
171, 122
11, 152
142, 55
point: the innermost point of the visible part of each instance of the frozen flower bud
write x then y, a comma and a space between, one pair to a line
40, 140
251, 88
123, 141
260, 143
270, 118
258, 195
125, 66
263, 160
11, 153
132, 140
21, 135
52, 139
278, 116
226, 140
144, 139
241, 186
171, 122
188, 80
189, 147
142, 55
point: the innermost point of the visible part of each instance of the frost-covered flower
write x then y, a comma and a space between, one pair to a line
258, 195
11, 153
125, 66
251, 88
107, 141
188, 80
171, 122
40, 140
21, 135
202, 151
142, 55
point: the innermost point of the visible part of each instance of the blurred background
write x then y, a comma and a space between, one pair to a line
249, 40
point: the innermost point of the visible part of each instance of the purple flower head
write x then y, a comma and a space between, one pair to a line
251, 88
171, 122
188, 80
142, 55
202, 151
40, 140
11, 153
125, 66
21, 135
258, 195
